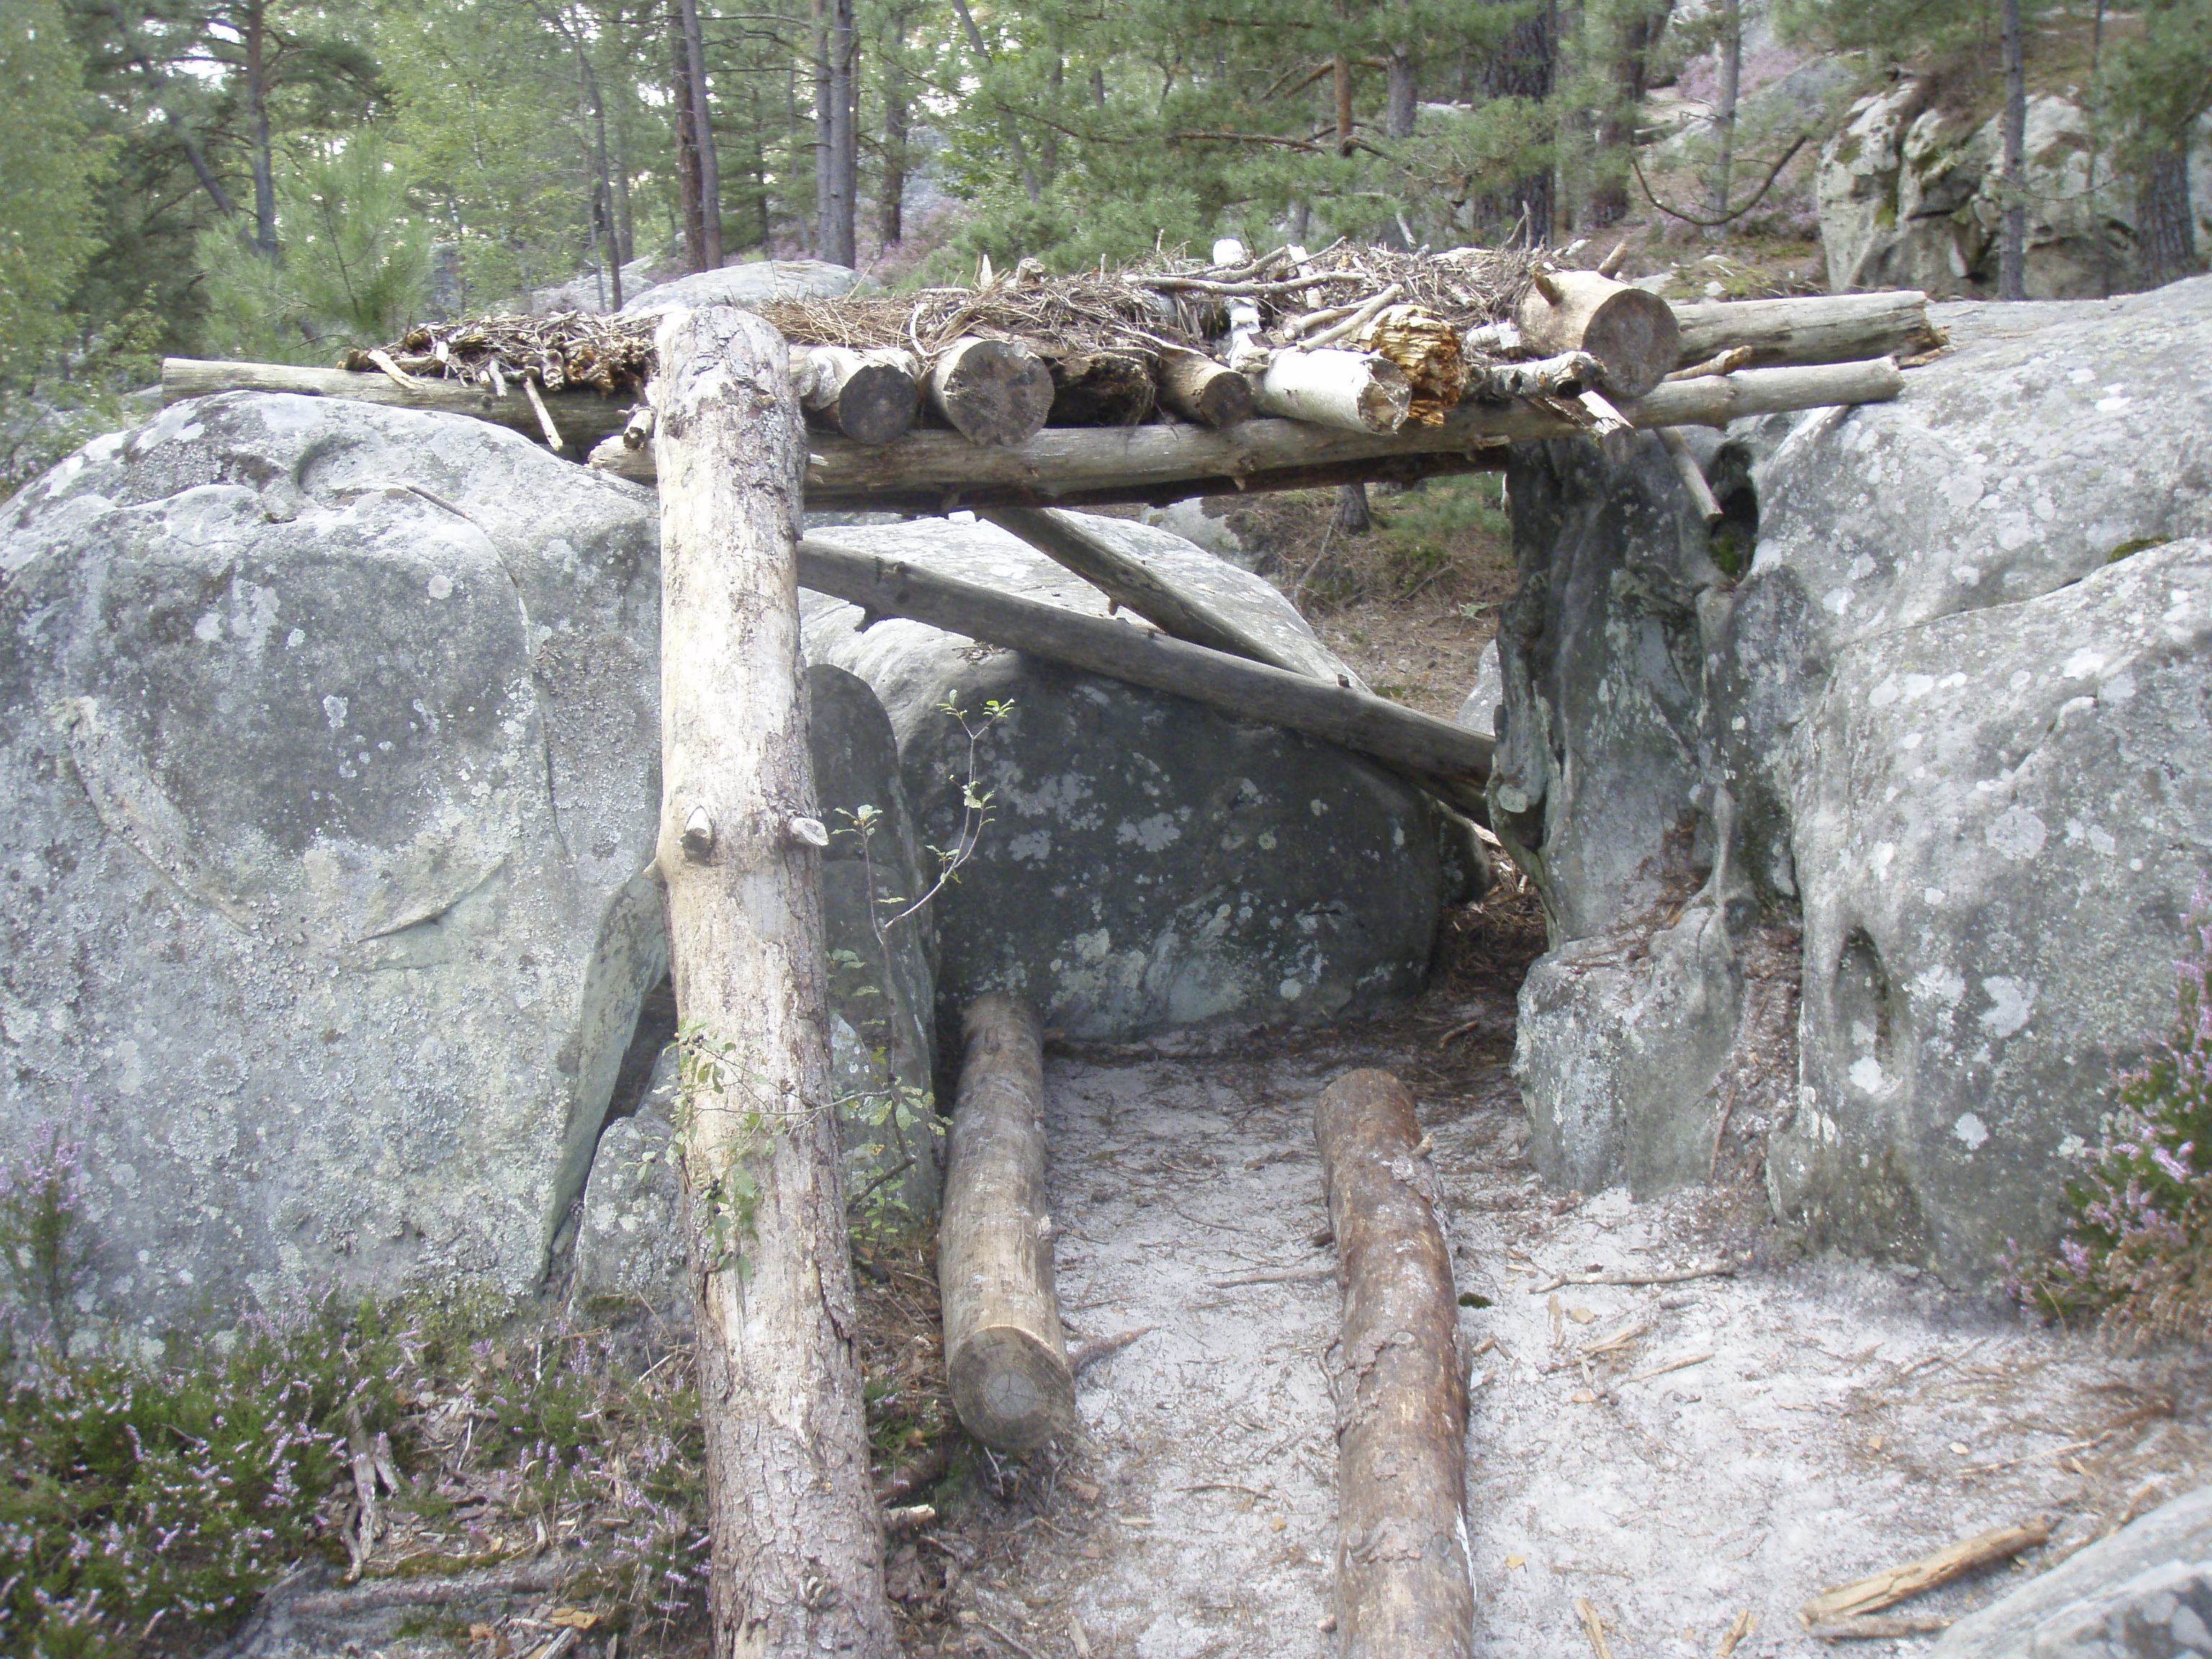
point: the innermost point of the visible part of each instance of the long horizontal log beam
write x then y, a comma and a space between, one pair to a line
938, 472
1353, 719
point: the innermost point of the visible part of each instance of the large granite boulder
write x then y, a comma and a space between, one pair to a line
329, 737
1148, 863
1909, 196
2144, 1593
753, 283
1879, 850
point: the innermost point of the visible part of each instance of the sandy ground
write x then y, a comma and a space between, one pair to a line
1677, 1455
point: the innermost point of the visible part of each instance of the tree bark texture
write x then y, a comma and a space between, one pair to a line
1353, 516
1830, 328
1352, 719
1632, 333
1199, 389
1404, 1584
1006, 1355
1731, 55
2165, 245
798, 1550
2012, 233
702, 127
1351, 391
687, 145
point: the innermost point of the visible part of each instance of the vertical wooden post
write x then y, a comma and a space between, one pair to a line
798, 1560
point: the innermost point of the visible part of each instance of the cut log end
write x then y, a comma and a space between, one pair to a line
1011, 1391
997, 394
1631, 332
872, 397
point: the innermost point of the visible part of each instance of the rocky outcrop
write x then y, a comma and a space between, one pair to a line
750, 285
1149, 863
328, 737
2144, 1593
1950, 725
1909, 196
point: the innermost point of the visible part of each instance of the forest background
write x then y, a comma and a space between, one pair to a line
276, 180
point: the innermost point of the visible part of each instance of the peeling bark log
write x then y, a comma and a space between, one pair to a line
1352, 719
798, 1563
995, 393
1199, 389
872, 397
1350, 391
1631, 332
1830, 328
1404, 1584
1006, 1355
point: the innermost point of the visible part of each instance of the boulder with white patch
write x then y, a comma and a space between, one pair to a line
329, 737
1148, 862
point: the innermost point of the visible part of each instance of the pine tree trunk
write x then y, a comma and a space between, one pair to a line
687, 145
890, 227
797, 1549
1352, 516
1404, 106
1731, 52
702, 123
256, 30
1521, 67
2012, 236
839, 241
2165, 242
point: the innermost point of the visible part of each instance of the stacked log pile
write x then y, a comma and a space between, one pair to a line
1162, 382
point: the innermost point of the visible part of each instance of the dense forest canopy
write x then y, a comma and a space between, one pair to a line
274, 178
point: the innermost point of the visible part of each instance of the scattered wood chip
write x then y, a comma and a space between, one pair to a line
1580, 1315
1683, 1364
1746, 1622
906, 1516
1886, 1589
1879, 1627
1593, 1627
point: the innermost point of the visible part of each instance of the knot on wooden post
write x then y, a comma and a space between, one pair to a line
807, 832
698, 833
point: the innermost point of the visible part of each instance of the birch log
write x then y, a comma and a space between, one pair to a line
872, 397
1404, 1584
995, 393
788, 1484
1825, 328
1006, 1355
1350, 391
1631, 332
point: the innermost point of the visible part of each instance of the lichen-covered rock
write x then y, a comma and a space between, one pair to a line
753, 283
2144, 1593
1951, 723
329, 737
1149, 863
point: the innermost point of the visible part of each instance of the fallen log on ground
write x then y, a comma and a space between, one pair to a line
939, 472
1006, 1355
995, 393
1352, 719
1132, 585
871, 397
1825, 328
1631, 332
1403, 1584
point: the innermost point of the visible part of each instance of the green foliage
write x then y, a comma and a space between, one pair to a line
2159, 80
354, 263
47, 1256
51, 162
2138, 1250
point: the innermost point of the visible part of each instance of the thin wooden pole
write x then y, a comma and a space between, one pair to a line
797, 1563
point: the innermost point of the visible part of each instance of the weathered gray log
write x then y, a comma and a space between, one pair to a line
1125, 651
1830, 328
1404, 1584
1132, 585
1692, 475
584, 417
1006, 1355
1631, 332
995, 393
1567, 375
872, 397
936, 471
1351, 391
1100, 388
1199, 389
787, 1485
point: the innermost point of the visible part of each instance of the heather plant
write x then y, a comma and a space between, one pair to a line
47, 1256
2137, 1250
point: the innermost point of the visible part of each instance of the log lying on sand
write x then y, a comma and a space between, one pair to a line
995, 393
1404, 1584
872, 397
1631, 332
1349, 391
1352, 719
1827, 328
1131, 584
1004, 1352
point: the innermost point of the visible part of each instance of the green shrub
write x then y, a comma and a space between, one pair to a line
2137, 1250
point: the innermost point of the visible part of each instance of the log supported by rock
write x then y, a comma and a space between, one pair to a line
1371, 725
1631, 332
1821, 328
1006, 1355
1403, 1584
787, 1482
